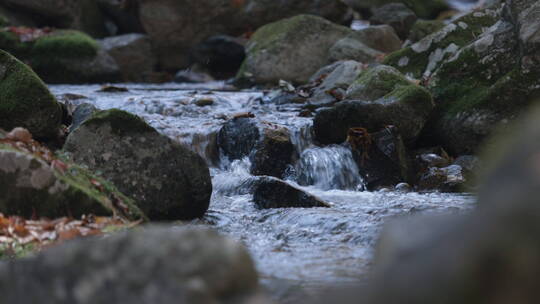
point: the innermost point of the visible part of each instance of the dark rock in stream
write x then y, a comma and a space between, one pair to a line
168, 181
163, 265
381, 157
447, 179
221, 55
268, 146
270, 192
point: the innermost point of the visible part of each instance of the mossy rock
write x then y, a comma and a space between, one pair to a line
25, 101
423, 28
31, 186
485, 84
424, 57
378, 98
166, 180
291, 49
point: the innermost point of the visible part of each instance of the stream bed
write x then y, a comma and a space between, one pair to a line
308, 246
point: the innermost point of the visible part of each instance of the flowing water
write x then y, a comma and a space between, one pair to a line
311, 246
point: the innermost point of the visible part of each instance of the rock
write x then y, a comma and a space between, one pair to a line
495, 246
25, 101
403, 187
124, 14
133, 55
172, 266
447, 179
379, 37
167, 181
397, 15
81, 113
189, 76
220, 55
291, 49
177, 26
379, 97
36, 186
425, 56
238, 137
496, 83
268, 146
271, 192
423, 28
350, 48
381, 157
470, 166
337, 76
273, 153
83, 15
72, 57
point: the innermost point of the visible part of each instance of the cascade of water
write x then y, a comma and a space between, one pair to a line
326, 168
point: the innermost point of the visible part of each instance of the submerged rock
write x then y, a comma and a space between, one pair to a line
270, 192
380, 96
35, 186
25, 101
167, 181
291, 49
153, 265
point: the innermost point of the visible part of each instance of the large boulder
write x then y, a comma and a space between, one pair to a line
379, 97
487, 83
220, 55
133, 54
270, 192
38, 184
25, 101
291, 49
423, 57
176, 26
168, 181
153, 265
124, 14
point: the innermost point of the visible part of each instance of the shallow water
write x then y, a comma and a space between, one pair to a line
312, 246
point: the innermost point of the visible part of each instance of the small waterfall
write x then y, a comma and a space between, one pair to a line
302, 136
327, 168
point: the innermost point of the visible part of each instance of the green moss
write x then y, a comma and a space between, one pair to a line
65, 44
122, 122
25, 100
410, 94
16, 250
97, 191
461, 32
423, 28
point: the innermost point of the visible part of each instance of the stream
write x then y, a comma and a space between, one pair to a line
306, 246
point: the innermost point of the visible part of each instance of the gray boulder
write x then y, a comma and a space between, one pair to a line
133, 55
379, 37
291, 49
167, 181
153, 265
350, 48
